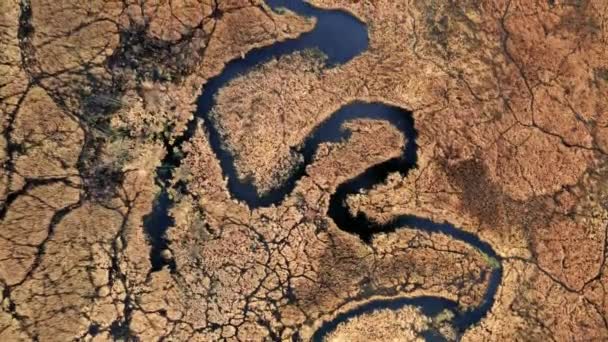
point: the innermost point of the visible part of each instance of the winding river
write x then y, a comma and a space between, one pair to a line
341, 37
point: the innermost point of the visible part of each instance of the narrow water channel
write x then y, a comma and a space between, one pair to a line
341, 37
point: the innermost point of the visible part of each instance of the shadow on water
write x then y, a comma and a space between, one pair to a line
159, 217
341, 37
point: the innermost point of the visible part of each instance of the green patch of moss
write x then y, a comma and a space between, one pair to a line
601, 73
491, 261
280, 10
315, 53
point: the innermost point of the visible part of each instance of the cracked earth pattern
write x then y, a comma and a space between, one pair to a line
510, 99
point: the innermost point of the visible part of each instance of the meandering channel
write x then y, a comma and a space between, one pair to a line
341, 37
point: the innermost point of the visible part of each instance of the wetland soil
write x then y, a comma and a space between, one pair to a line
197, 170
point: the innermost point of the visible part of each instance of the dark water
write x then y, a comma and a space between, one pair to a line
156, 224
341, 37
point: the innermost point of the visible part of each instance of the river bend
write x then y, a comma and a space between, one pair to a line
341, 37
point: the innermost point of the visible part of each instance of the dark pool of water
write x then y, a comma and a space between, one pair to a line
341, 37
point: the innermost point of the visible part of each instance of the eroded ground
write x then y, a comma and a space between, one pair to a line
510, 100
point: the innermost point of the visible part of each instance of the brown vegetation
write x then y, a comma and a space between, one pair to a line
88, 93
510, 110
509, 98
406, 324
289, 263
401, 325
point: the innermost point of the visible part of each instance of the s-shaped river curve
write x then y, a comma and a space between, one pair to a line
341, 37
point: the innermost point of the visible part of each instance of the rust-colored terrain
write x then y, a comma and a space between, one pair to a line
510, 102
